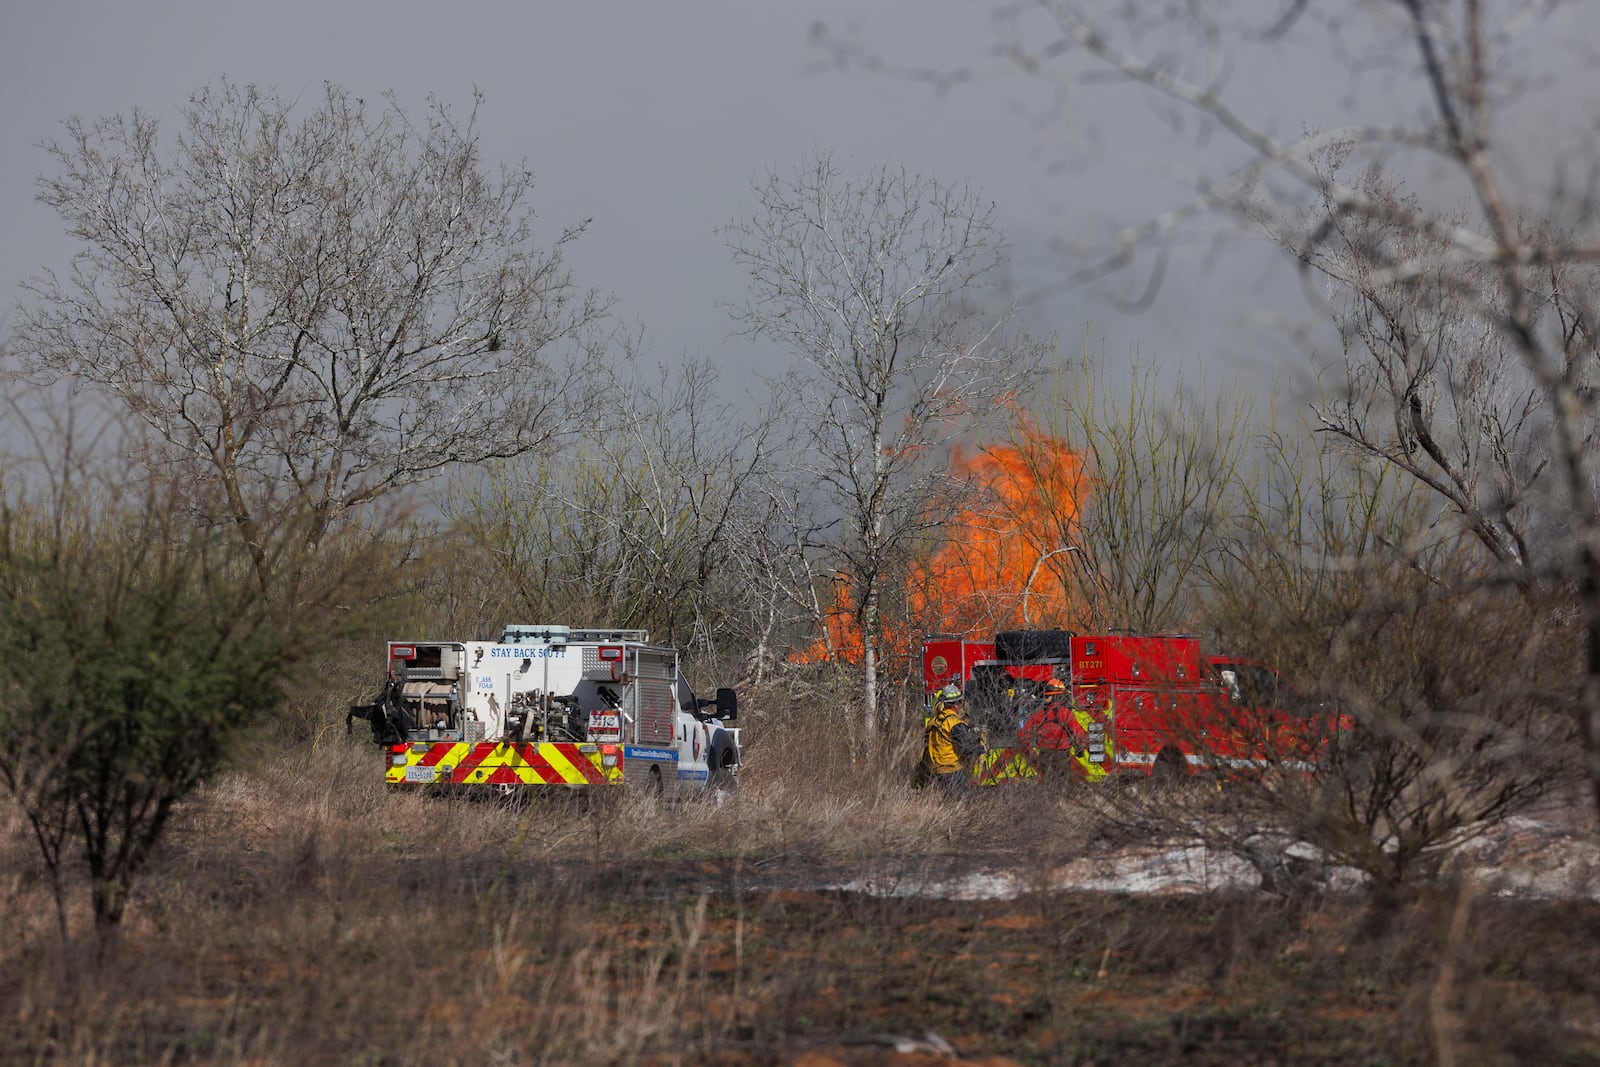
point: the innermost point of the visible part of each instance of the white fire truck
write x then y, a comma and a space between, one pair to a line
550, 706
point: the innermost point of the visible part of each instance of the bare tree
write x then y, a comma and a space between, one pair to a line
1434, 388
876, 286
769, 555
1161, 482
1517, 258
312, 299
1452, 694
638, 520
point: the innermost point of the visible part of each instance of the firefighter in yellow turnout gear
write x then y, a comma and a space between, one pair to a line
950, 745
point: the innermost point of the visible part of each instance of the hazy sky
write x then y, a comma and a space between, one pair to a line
652, 118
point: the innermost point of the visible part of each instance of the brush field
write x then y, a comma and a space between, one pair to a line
301, 914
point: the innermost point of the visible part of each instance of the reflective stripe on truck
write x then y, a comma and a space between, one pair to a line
488, 763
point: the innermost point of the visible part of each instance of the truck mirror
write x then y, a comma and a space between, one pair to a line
727, 704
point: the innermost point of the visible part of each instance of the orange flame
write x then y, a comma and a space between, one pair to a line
1006, 561
841, 637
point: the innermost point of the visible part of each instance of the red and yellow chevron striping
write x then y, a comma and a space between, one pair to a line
488, 763
1096, 755
1003, 765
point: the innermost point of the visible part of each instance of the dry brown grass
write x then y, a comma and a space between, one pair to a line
302, 914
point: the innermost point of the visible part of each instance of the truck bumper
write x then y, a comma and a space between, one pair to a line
548, 763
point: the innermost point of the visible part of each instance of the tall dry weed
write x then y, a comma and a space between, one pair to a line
302, 914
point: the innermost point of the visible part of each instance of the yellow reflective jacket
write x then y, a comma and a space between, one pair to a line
950, 740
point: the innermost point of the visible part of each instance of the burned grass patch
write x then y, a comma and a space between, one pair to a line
306, 919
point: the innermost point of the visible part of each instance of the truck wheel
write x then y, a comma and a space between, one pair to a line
1170, 767
723, 776
646, 783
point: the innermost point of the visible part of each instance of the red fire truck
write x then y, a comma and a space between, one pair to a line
1101, 705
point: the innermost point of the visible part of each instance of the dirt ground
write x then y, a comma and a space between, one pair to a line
305, 922
677, 962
